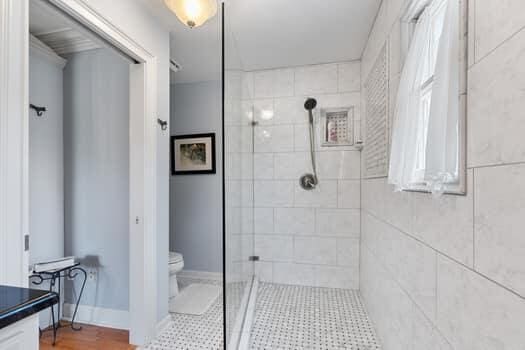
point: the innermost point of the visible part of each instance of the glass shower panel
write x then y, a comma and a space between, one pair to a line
238, 153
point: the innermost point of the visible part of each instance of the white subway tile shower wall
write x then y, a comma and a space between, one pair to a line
449, 273
304, 238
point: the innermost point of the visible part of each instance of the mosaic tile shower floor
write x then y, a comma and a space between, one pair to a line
286, 318
307, 318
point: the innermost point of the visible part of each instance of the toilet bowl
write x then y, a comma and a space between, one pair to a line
176, 264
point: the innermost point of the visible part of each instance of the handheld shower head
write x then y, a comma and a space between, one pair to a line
310, 104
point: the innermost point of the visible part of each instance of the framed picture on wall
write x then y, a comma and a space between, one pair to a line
193, 154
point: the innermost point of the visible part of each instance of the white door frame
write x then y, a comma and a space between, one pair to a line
14, 82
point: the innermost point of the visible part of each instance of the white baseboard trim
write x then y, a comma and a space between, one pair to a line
214, 276
162, 324
98, 316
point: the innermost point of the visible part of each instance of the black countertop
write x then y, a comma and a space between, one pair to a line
19, 303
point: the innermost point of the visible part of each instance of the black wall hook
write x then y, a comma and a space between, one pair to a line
163, 124
39, 110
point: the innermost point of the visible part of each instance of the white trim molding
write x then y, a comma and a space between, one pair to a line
163, 324
14, 132
98, 316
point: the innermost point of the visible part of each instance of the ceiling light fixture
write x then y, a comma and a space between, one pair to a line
193, 13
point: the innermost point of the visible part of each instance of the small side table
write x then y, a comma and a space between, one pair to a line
71, 272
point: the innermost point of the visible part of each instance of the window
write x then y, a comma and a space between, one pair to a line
426, 152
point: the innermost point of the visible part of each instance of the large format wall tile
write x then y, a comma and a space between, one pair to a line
314, 250
316, 79
338, 222
475, 313
496, 103
273, 83
349, 79
446, 223
499, 224
295, 221
274, 248
495, 22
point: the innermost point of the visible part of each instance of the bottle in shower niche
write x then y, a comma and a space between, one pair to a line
331, 127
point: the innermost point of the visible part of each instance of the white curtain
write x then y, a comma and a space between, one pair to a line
442, 149
442, 144
403, 151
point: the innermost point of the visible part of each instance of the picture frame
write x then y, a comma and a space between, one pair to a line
193, 154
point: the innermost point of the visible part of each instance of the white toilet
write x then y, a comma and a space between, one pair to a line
176, 264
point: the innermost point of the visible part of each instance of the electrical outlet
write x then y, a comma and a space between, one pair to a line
92, 275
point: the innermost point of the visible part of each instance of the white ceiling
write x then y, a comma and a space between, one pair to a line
271, 34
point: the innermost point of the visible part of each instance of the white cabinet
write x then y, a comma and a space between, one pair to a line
22, 335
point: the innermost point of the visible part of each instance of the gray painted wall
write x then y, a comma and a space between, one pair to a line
96, 172
46, 180
196, 200
46, 170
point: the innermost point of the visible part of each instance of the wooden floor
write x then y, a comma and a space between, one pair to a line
89, 338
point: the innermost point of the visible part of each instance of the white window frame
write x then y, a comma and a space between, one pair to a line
411, 14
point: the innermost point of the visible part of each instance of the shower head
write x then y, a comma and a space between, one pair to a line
310, 104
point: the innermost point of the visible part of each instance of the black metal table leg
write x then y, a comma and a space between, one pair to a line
72, 274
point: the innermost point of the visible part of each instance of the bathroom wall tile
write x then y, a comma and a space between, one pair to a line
373, 196
314, 250
348, 252
232, 138
232, 166
247, 220
273, 193
336, 277
264, 270
316, 79
274, 83
338, 222
339, 164
426, 335
233, 220
246, 140
389, 306
409, 262
274, 248
290, 273
247, 246
263, 166
323, 196
247, 112
500, 218
263, 220
350, 99
298, 221
475, 313
247, 85
246, 166
290, 166
349, 76
301, 138
246, 193
495, 22
349, 194
376, 40
233, 193
263, 111
398, 208
496, 103
274, 139
446, 223
290, 110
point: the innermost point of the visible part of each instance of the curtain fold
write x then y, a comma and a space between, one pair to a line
442, 149
435, 138
403, 151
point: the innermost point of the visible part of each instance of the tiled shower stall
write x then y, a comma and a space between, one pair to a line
432, 273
